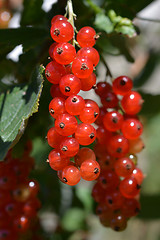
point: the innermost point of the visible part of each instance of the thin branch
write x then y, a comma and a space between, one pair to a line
94, 6
148, 19
106, 65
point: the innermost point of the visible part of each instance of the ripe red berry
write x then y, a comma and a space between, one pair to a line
54, 71
117, 146
54, 138
69, 147
132, 128
57, 106
21, 224
64, 53
55, 91
102, 88
70, 85
88, 115
91, 53
86, 37
61, 31
106, 162
124, 167
129, 187
113, 121
114, 199
82, 67
118, 222
58, 18
138, 175
130, 208
83, 155
88, 83
132, 103
57, 161
122, 85
109, 100
85, 134
66, 124
136, 145
51, 48
89, 170
74, 104
102, 112
103, 135
71, 175
92, 104
108, 180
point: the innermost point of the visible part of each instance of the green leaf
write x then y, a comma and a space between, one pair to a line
16, 106
73, 219
102, 22
32, 12
130, 31
29, 37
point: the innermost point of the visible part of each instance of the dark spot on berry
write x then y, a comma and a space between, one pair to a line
74, 99
94, 86
110, 201
104, 181
19, 226
62, 125
84, 66
97, 36
116, 228
56, 32
64, 148
91, 135
59, 50
138, 186
51, 111
114, 119
95, 114
119, 150
107, 163
47, 73
5, 179
4, 234
108, 99
128, 167
96, 170
65, 180
67, 89
122, 82
138, 127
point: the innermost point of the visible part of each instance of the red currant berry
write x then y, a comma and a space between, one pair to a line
69, 147
132, 128
102, 112
55, 91
102, 88
90, 170
57, 161
88, 115
65, 124
122, 85
58, 18
132, 103
130, 208
138, 175
113, 121
88, 83
83, 155
114, 199
91, 53
85, 134
61, 31
136, 145
109, 100
129, 187
103, 135
54, 138
106, 162
64, 53
56, 106
54, 71
86, 37
21, 224
118, 146
118, 222
92, 104
74, 104
51, 48
70, 84
124, 167
82, 67
98, 193
108, 180
71, 175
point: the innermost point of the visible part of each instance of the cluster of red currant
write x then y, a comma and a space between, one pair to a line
70, 72
118, 140
18, 198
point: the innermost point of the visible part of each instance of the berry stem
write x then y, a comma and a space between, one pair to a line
71, 17
106, 65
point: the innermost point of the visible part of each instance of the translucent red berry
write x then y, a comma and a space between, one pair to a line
51, 48
89, 170
86, 37
132, 128
85, 134
54, 71
61, 31
122, 85
70, 84
58, 18
64, 53
88, 83
136, 145
91, 53
118, 222
108, 180
138, 175
69, 147
113, 121
109, 100
74, 104
88, 115
71, 175
54, 138
132, 103
117, 146
102, 88
124, 167
83, 155
82, 67
129, 187
57, 161
66, 124
57, 106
